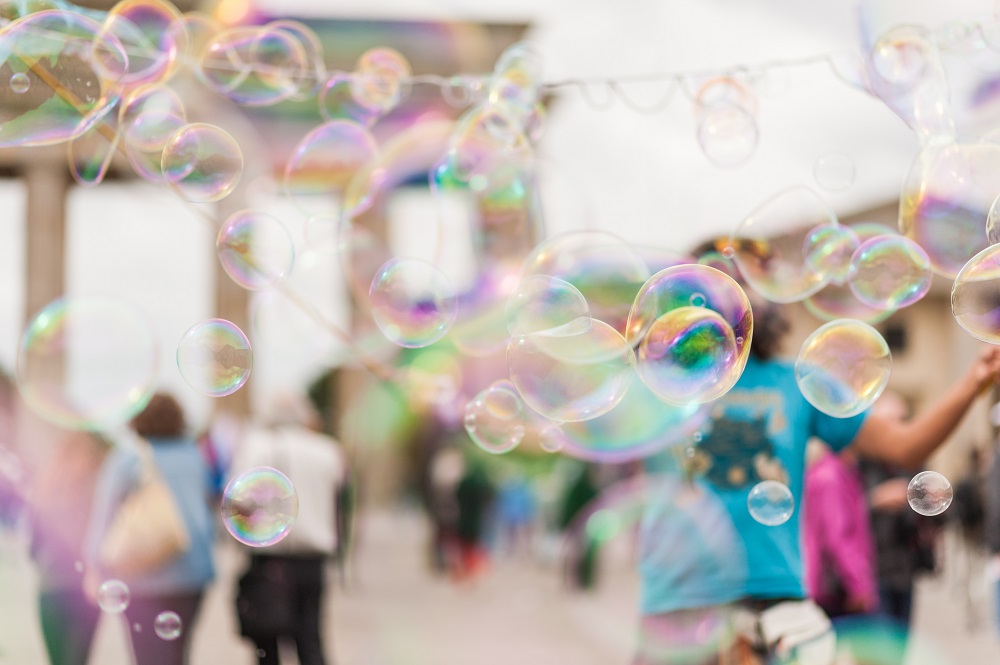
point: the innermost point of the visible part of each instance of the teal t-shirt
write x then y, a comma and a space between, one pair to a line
699, 545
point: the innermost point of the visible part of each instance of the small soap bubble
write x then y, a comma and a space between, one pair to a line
259, 506
771, 503
495, 419
255, 249
202, 163
214, 357
380, 79
728, 136
929, 493
551, 438
113, 596
834, 171
167, 625
890, 272
20, 83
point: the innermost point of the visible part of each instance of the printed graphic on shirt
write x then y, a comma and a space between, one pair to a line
736, 448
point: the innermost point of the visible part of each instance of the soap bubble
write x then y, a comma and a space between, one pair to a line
149, 116
975, 296
113, 596
88, 363
313, 71
20, 83
495, 418
167, 626
769, 246
153, 35
259, 506
929, 493
726, 113
413, 302
543, 303
843, 367
380, 79
946, 199
828, 251
255, 249
91, 152
693, 326
771, 503
890, 272
571, 374
202, 163
254, 66
337, 102
214, 357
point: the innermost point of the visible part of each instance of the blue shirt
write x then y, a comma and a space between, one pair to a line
699, 544
186, 473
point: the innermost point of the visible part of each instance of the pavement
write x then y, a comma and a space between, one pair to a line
390, 610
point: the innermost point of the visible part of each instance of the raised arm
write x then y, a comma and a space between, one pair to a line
909, 443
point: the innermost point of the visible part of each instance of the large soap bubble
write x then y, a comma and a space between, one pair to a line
255, 249
543, 303
259, 506
413, 302
890, 272
693, 327
495, 418
843, 367
88, 363
975, 296
202, 163
255, 66
214, 357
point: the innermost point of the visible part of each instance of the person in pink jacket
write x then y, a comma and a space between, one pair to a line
839, 550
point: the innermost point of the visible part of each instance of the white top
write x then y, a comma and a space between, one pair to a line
315, 465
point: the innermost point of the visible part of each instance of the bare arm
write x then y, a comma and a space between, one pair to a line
909, 443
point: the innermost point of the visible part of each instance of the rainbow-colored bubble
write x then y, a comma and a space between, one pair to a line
843, 367
890, 272
413, 302
495, 419
975, 296
259, 506
255, 249
214, 357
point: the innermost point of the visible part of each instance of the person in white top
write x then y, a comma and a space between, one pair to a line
287, 439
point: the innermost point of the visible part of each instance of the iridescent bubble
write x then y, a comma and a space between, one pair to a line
828, 251
693, 327
946, 200
337, 102
975, 296
640, 425
314, 71
113, 596
771, 503
571, 375
488, 145
516, 82
904, 70
202, 163
834, 171
551, 438
835, 300
167, 625
214, 357
91, 152
255, 249
20, 83
543, 303
254, 66
259, 506
929, 493
495, 419
152, 32
413, 302
325, 161
88, 363
728, 136
601, 266
200, 28
150, 115
768, 245
890, 272
72, 74
843, 367
380, 79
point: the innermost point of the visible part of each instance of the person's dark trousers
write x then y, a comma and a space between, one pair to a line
309, 582
153, 649
68, 624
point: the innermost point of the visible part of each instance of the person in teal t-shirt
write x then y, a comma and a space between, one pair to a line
719, 587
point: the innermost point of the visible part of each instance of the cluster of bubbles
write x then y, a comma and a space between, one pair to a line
259, 506
611, 351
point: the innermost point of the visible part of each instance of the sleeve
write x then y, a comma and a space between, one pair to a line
837, 433
118, 474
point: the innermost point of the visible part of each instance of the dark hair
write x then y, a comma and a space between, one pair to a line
162, 418
769, 324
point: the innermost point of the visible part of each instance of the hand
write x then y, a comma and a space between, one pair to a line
889, 496
985, 371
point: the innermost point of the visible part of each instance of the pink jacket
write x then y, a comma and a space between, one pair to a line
838, 538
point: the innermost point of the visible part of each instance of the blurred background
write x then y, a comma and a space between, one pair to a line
622, 146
